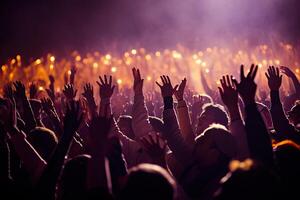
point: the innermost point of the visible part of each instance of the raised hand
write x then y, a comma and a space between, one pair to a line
106, 89
73, 118
50, 91
69, 92
155, 146
8, 91
20, 92
166, 88
274, 78
51, 79
73, 73
88, 91
32, 90
138, 81
47, 105
247, 87
9, 119
228, 93
287, 71
180, 91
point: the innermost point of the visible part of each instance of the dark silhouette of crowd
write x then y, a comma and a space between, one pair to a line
175, 144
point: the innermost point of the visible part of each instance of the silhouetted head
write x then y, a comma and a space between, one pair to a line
215, 146
73, 179
43, 140
287, 155
294, 114
148, 182
212, 113
248, 180
157, 124
124, 123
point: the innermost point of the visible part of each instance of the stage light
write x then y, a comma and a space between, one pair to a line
113, 69
52, 58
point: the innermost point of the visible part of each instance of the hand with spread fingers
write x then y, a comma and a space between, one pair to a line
106, 88
274, 78
228, 92
138, 81
247, 87
166, 88
180, 91
69, 92
155, 146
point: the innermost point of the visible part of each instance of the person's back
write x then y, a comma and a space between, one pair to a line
148, 182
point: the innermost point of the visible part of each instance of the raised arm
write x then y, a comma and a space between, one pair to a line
33, 162
106, 90
50, 110
184, 115
280, 121
98, 174
140, 119
28, 115
172, 133
229, 96
47, 184
259, 142
89, 95
289, 73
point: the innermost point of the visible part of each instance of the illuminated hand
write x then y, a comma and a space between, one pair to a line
106, 89
69, 92
228, 93
166, 88
155, 146
180, 92
247, 87
274, 78
88, 91
138, 81
47, 105
32, 91
20, 92
287, 71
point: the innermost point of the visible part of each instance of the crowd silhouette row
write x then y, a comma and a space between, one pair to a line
176, 144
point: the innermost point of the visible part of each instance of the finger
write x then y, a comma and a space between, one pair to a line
158, 84
254, 72
101, 80
221, 91
250, 72
268, 77
165, 79
228, 81
175, 88
242, 75
105, 79
110, 80
162, 80
277, 71
235, 83
138, 74
169, 81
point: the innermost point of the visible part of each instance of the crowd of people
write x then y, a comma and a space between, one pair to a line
104, 139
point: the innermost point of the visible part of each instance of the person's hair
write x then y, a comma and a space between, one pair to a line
73, 178
125, 121
287, 154
248, 180
43, 140
218, 112
156, 123
148, 181
206, 98
222, 138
